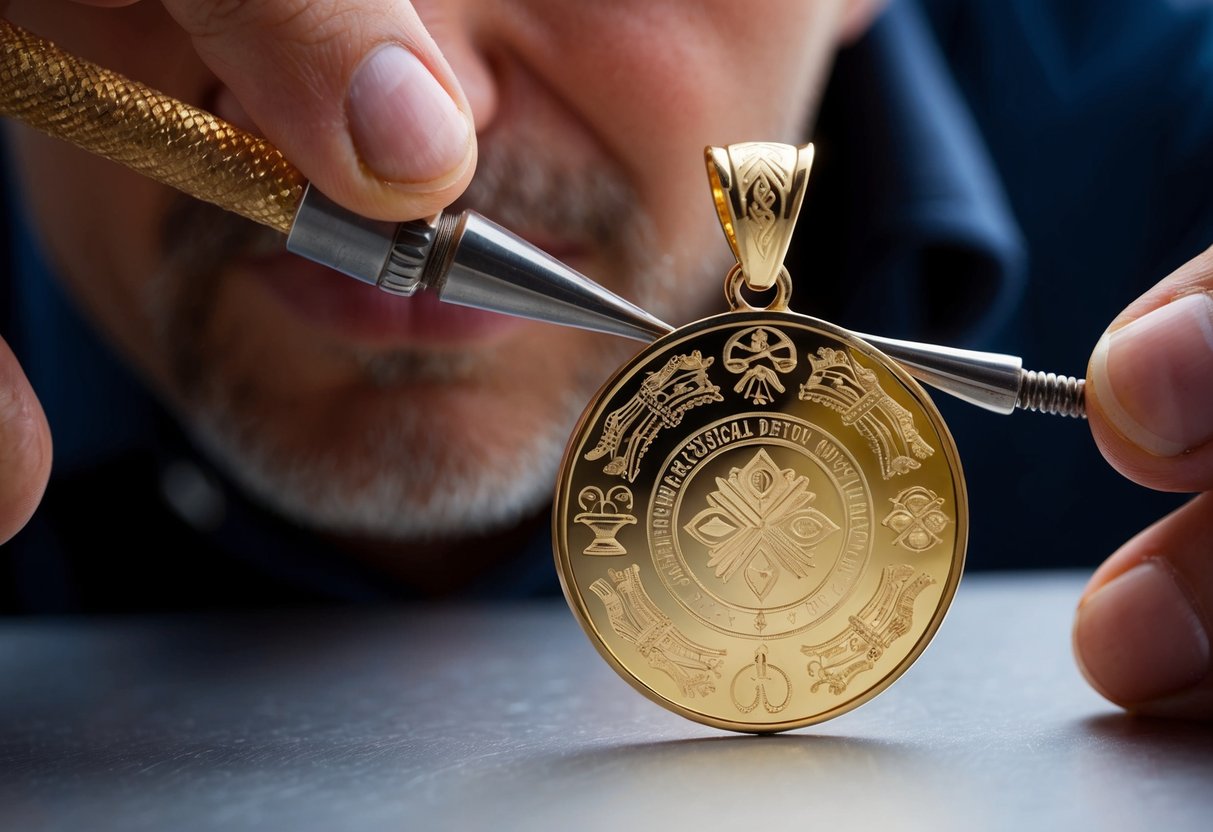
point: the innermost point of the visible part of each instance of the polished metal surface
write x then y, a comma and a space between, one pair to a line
993, 381
204, 156
492, 268
989, 380
468, 260
326, 233
193, 150
758, 188
503, 717
760, 521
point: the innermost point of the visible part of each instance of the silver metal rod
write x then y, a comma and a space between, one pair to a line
990, 380
492, 268
468, 260
472, 261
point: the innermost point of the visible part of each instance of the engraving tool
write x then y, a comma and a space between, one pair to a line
464, 258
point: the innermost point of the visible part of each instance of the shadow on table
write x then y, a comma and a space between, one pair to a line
1179, 742
1141, 772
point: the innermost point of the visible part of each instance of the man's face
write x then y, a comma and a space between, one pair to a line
357, 412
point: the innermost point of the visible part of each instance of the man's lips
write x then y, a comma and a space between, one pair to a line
358, 312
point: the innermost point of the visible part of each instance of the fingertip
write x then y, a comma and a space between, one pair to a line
1119, 450
25, 448
355, 186
380, 199
1195, 704
406, 128
1140, 642
1078, 639
405, 200
390, 165
1150, 395
1154, 376
373, 116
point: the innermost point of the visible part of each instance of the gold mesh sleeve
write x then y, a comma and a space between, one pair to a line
148, 131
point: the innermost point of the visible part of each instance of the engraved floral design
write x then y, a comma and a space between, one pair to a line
759, 522
917, 518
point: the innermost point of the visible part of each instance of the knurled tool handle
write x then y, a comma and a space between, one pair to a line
152, 133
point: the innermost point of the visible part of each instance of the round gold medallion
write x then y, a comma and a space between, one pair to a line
761, 519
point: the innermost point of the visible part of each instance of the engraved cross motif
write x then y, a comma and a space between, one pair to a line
759, 521
917, 518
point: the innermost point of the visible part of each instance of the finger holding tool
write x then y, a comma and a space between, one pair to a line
463, 258
357, 94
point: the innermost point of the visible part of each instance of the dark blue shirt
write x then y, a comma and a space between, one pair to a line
1006, 174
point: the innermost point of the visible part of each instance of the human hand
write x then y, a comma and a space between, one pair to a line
1142, 632
356, 94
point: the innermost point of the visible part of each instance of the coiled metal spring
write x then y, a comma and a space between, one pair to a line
1051, 393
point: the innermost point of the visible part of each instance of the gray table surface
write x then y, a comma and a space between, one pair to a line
504, 717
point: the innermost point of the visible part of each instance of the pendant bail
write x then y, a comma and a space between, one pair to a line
758, 188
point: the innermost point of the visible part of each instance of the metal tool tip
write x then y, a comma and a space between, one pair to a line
492, 268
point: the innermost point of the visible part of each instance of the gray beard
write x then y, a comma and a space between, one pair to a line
414, 491
411, 482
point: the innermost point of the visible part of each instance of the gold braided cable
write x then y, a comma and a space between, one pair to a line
150, 132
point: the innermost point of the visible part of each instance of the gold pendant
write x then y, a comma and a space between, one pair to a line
761, 519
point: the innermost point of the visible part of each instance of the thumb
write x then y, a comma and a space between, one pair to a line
25, 447
356, 94
1150, 384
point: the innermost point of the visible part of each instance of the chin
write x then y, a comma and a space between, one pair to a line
422, 446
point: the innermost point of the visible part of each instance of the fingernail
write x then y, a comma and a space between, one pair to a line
1138, 638
1154, 377
404, 125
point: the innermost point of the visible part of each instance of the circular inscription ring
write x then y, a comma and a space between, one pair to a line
785, 526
